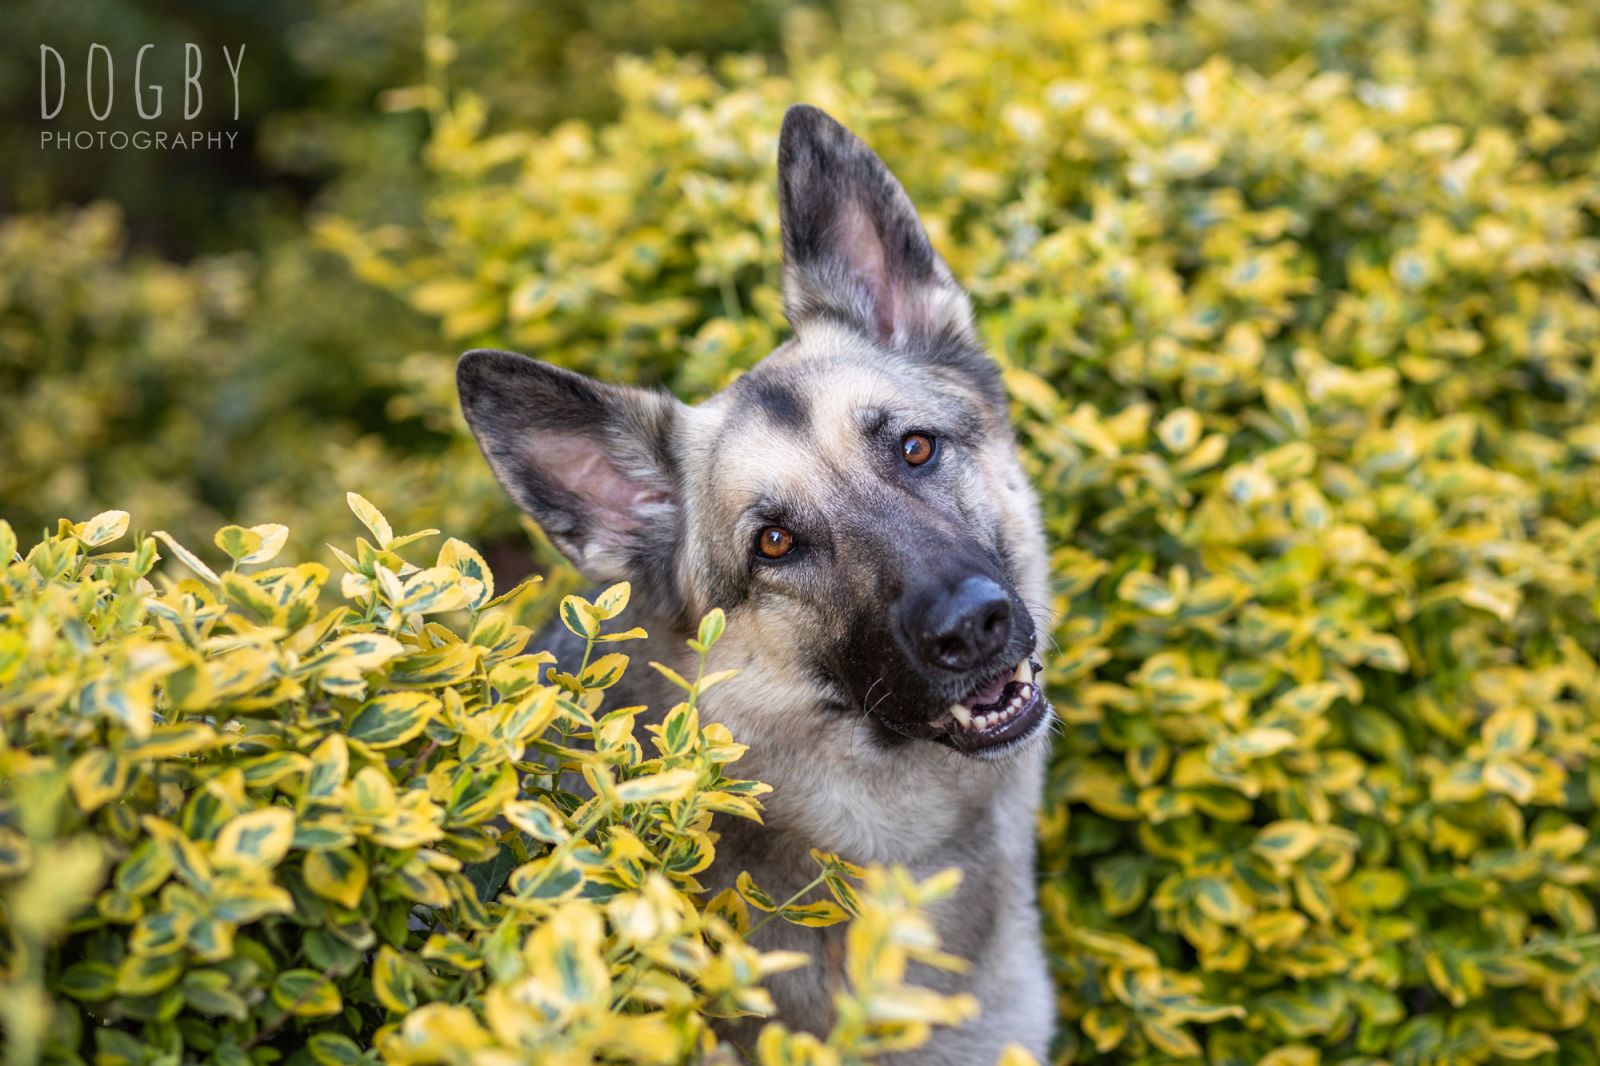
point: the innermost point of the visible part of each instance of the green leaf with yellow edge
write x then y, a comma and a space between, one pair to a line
1174, 1040
664, 787
306, 994
170, 741
371, 517
392, 981
334, 1049
145, 868
330, 764
88, 981
102, 529
354, 653
712, 627
579, 617
672, 675
1520, 1044
1219, 900
243, 594
463, 558
392, 718
1374, 889
817, 913
1180, 431
438, 588
257, 839
97, 777
273, 538
452, 951
145, 975
161, 932
452, 664
538, 819
1147, 591
603, 672
1509, 778
613, 601
1509, 731
183, 855
635, 633
1286, 841
337, 874
1123, 882
236, 542
1571, 909
210, 992
753, 894
187, 557
730, 907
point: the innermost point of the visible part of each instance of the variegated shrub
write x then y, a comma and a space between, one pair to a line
1299, 309
245, 819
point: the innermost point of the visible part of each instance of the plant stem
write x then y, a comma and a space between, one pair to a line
791, 901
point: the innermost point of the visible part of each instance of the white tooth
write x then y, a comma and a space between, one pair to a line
962, 715
1024, 672
984, 721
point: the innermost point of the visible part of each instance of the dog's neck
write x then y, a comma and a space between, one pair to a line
838, 785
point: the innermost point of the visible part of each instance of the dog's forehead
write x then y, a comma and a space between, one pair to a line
814, 403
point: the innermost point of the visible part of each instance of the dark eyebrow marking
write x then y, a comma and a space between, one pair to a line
873, 422
781, 403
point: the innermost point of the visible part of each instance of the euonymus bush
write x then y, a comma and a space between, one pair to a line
1299, 312
244, 820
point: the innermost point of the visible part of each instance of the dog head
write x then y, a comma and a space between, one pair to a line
854, 502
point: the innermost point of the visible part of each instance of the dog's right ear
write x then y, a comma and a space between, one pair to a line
853, 246
591, 462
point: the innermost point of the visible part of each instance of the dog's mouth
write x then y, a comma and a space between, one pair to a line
1007, 707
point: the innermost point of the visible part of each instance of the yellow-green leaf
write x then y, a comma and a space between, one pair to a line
392, 718
103, 528
306, 994
258, 839
97, 777
371, 517
339, 875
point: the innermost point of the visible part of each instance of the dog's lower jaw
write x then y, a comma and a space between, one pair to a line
933, 809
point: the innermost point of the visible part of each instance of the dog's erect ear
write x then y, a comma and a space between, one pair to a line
853, 246
591, 462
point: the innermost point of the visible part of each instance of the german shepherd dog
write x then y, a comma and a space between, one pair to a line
856, 505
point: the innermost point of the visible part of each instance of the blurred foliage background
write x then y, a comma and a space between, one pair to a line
174, 330
1298, 304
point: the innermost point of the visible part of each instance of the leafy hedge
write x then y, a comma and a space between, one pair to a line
1299, 311
239, 826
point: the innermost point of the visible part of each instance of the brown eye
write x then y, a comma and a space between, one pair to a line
916, 448
774, 542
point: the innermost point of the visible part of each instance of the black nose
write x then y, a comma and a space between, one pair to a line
964, 626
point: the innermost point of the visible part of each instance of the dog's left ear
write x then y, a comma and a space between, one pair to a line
591, 462
853, 246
